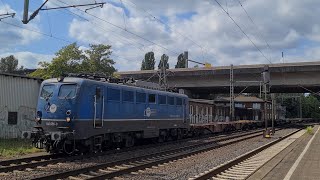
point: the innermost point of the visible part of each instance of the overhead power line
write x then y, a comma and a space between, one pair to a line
102, 28
254, 24
35, 31
243, 31
170, 27
125, 30
48, 35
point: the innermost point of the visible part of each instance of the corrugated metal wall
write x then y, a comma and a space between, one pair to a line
17, 95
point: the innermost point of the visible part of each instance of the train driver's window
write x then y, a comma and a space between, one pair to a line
162, 99
68, 91
152, 98
47, 91
127, 96
141, 97
114, 94
170, 100
179, 101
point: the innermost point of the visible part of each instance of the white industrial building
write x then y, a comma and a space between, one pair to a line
18, 102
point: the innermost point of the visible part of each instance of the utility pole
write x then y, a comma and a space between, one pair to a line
266, 81
273, 111
231, 93
185, 57
300, 108
162, 73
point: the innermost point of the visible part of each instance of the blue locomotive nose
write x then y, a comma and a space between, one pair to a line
57, 104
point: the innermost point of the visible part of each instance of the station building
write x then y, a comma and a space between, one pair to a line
18, 103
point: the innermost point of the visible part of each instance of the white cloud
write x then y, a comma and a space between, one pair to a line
287, 26
11, 33
28, 59
283, 24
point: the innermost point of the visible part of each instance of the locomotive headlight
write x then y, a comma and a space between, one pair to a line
68, 119
68, 113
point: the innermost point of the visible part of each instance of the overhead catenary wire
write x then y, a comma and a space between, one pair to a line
48, 35
171, 28
49, 23
129, 32
252, 21
124, 16
36, 31
243, 32
4, 5
102, 28
97, 25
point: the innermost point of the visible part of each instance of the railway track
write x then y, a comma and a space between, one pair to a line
242, 167
32, 162
131, 165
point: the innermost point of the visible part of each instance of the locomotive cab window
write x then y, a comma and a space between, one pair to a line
152, 98
127, 96
141, 97
170, 100
47, 91
162, 99
179, 101
68, 91
114, 94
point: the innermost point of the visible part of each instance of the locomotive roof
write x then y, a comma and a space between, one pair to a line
89, 81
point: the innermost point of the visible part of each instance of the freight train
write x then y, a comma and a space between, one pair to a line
87, 113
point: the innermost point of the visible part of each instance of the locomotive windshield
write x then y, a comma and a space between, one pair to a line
47, 91
68, 91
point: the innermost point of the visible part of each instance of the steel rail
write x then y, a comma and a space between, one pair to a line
31, 162
149, 160
236, 161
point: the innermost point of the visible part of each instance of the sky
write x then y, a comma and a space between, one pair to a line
135, 27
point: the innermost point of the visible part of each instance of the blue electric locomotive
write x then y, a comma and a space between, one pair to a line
87, 115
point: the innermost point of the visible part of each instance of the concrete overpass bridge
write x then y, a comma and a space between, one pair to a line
284, 78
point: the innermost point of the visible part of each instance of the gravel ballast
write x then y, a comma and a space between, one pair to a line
194, 165
181, 169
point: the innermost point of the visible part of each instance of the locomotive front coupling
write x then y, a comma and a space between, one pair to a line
53, 141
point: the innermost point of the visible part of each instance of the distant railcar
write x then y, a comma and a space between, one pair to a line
88, 115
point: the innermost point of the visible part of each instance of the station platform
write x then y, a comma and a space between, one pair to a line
299, 161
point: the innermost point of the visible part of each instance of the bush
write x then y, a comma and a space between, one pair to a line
309, 130
16, 147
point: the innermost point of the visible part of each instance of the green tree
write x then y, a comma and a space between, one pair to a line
164, 60
310, 107
292, 107
42, 72
98, 60
9, 64
181, 63
148, 62
71, 59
